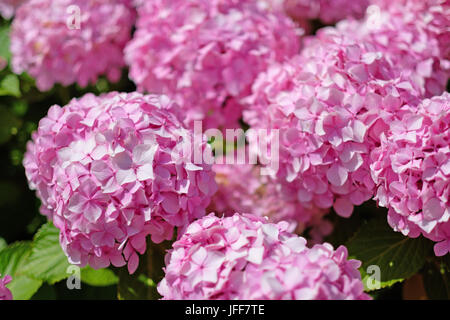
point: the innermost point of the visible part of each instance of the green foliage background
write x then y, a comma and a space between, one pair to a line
29, 245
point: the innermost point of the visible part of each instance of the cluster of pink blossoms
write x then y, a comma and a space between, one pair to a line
244, 257
412, 172
242, 188
205, 54
48, 43
8, 7
414, 35
111, 170
328, 11
329, 104
5, 293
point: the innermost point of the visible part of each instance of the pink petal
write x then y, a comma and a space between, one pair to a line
442, 248
337, 175
170, 203
343, 207
432, 209
133, 263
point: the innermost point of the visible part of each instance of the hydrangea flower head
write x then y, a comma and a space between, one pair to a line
414, 35
111, 170
71, 41
5, 293
412, 171
244, 257
329, 105
206, 53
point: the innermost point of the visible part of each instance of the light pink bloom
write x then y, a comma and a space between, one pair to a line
111, 170
412, 171
207, 53
47, 43
8, 7
5, 293
330, 105
244, 257
412, 34
242, 188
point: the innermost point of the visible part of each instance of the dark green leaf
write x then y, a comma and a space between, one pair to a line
397, 256
345, 228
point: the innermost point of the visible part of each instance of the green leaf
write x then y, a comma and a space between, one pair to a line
3, 244
345, 228
10, 86
98, 278
4, 43
12, 260
23, 287
47, 261
397, 256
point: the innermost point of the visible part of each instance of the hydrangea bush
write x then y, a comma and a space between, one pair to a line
344, 189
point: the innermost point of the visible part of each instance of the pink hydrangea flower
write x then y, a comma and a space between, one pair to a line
244, 257
111, 170
328, 11
5, 293
412, 171
329, 104
47, 43
412, 34
242, 188
8, 7
207, 53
